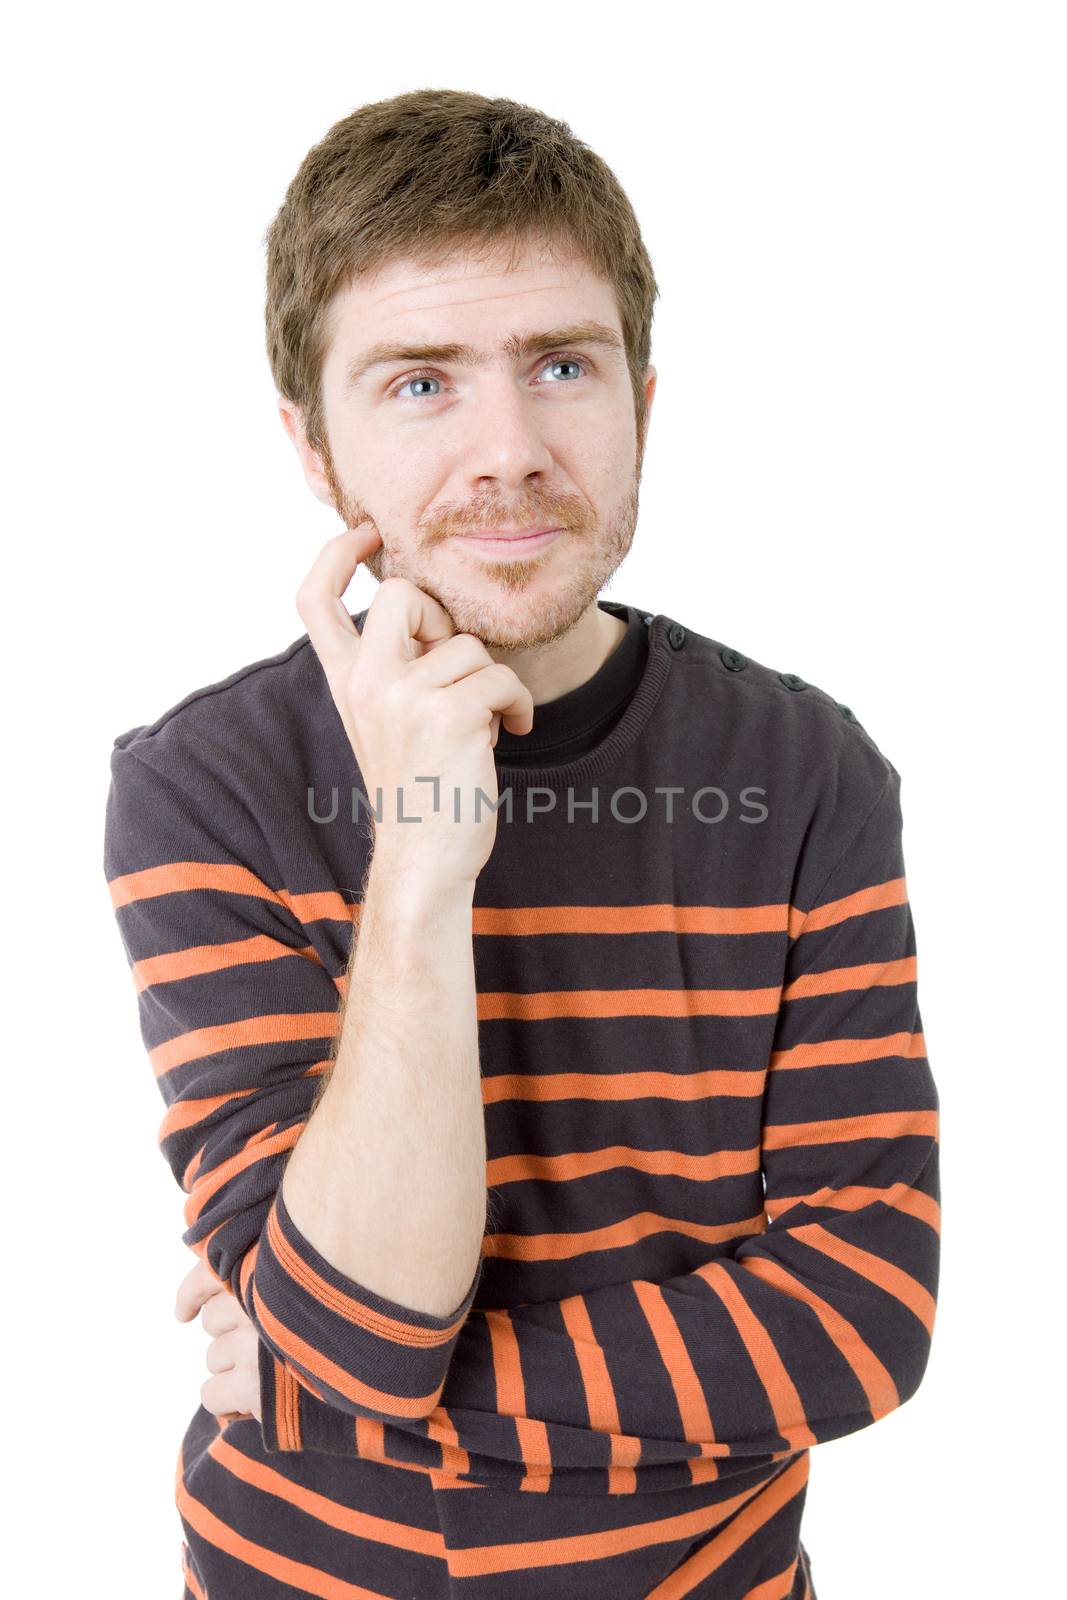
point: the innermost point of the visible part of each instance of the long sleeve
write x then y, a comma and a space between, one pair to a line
809, 1330
238, 1014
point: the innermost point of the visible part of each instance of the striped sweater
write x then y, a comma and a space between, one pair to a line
712, 1134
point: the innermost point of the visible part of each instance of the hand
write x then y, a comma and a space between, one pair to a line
233, 1353
417, 700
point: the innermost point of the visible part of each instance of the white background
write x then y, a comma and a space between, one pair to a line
855, 472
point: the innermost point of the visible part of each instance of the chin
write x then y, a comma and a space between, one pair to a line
518, 621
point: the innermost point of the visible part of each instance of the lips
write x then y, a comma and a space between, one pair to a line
508, 533
507, 543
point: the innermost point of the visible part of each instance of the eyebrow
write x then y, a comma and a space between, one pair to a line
516, 345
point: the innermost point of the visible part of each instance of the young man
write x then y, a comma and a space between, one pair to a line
529, 979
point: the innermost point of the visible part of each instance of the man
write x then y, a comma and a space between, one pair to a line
529, 979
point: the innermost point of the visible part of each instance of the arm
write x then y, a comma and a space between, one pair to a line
813, 1329
387, 1180
239, 1016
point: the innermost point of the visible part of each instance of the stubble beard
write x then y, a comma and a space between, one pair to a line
557, 610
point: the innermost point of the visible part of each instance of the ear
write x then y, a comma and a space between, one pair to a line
310, 460
650, 390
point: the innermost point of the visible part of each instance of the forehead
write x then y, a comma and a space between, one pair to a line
406, 299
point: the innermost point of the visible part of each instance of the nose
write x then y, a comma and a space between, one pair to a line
505, 440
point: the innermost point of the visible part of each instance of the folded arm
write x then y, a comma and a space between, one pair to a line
241, 1018
810, 1330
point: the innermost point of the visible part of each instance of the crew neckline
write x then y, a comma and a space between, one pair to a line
591, 702
574, 723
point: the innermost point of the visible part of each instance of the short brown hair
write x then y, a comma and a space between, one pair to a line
425, 175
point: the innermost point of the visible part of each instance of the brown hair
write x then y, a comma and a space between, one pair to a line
428, 174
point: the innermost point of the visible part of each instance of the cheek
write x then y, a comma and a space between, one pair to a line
375, 564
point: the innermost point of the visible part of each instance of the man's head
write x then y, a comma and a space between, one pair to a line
443, 219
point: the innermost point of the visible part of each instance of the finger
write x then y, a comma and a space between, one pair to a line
498, 688
234, 1392
221, 1394
320, 598
195, 1288
221, 1314
223, 1353
401, 621
449, 661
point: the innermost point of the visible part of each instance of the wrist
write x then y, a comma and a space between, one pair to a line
408, 880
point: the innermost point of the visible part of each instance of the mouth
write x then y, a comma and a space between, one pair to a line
503, 542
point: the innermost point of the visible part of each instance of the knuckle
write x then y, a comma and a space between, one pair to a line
476, 648
395, 585
501, 673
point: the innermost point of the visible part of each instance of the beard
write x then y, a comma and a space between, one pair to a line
505, 621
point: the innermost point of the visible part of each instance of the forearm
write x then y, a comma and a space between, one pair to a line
388, 1179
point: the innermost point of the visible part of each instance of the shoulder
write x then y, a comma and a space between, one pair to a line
774, 720
275, 714
237, 754
250, 696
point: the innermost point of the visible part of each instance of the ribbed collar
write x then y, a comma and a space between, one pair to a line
573, 723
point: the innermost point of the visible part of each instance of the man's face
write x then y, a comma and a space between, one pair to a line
433, 451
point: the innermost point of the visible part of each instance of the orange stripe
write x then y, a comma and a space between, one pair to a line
484, 1560
321, 905
744, 1528
191, 1581
872, 974
615, 1236
837, 1130
519, 921
331, 1513
611, 1086
538, 1005
875, 1380
600, 1395
198, 959
187, 877
370, 1445
280, 1028
678, 1364
182, 877
511, 1401
309, 1580
527, 1168
781, 1392
780, 1587
454, 1459
259, 1147
893, 892
287, 1407
875, 1269
853, 1197
841, 1052
304, 1355
186, 1113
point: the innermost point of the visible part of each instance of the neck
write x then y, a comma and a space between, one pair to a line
551, 670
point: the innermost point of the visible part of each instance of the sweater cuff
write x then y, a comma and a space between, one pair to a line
360, 1353
294, 1419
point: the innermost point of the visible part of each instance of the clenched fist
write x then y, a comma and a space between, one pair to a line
421, 705
233, 1354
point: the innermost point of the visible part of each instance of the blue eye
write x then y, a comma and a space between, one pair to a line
427, 377
564, 361
432, 377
